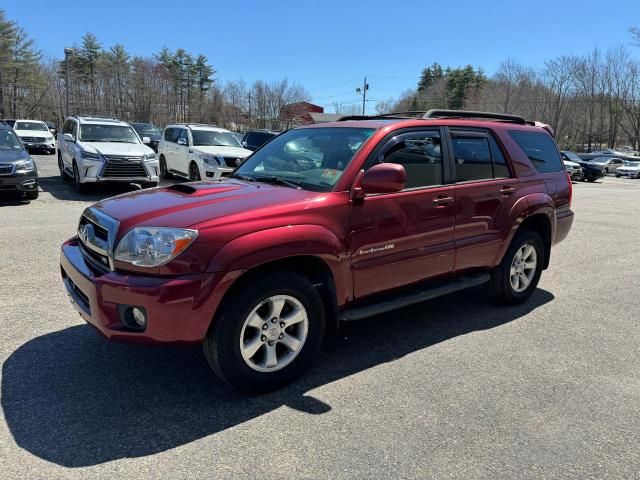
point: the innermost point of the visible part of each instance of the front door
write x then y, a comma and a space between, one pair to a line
404, 237
182, 151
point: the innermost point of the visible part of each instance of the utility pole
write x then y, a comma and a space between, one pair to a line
67, 52
249, 119
363, 91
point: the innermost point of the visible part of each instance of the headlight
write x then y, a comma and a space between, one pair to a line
49, 138
209, 160
25, 166
149, 156
153, 246
90, 155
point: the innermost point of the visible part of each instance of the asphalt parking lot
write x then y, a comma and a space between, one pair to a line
452, 388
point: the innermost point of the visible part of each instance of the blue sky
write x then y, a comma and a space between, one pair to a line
328, 46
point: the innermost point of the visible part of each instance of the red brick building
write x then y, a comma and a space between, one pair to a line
298, 114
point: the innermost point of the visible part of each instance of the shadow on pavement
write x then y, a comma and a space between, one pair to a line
74, 399
63, 189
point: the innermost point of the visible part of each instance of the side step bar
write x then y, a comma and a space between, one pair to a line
358, 313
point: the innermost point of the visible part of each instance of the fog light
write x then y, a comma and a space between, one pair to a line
139, 317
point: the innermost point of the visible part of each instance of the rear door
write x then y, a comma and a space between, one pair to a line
484, 194
404, 237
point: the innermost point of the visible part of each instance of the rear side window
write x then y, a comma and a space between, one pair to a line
472, 157
540, 149
257, 139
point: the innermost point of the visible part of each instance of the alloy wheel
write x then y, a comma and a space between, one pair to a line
523, 267
274, 333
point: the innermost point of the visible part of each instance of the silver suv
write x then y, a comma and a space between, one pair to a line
93, 149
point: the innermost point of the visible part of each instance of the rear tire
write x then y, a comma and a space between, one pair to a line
514, 280
63, 174
247, 319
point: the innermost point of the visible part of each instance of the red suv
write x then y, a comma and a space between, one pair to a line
324, 223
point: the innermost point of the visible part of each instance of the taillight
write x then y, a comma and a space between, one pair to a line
570, 189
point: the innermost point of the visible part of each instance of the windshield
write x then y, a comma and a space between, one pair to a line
572, 156
312, 158
145, 129
9, 141
209, 138
31, 126
107, 133
600, 160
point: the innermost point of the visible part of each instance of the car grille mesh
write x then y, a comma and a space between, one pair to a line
6, 169
232, 162
121, 166
32, 139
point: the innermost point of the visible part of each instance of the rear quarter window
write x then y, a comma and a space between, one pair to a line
540, 149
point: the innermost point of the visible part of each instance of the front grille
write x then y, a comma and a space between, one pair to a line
6, 169
99, 261
32, 139
96, 233
232, 162
121, 166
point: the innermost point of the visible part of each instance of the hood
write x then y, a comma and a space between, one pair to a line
188, 204
10, 156
33, 133
114, 148
569, 163
224, 151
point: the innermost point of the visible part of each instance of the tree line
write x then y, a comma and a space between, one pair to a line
591, 101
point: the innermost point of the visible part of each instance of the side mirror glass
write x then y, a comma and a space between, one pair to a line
68, 137
182, 141
384, 178
244, 144
146, 140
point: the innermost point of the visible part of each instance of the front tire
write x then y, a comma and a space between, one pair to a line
80, 187
164, 171
194, 173
517, 276
33, 195
267, 333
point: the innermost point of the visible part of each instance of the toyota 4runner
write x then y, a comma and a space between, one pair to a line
95, 149
330, 222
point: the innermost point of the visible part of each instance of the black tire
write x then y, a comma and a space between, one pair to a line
164, 172
618, 175
222, 344
33, 195
63, 174
52, 152
194, 173
500, 287
591, 179
80, 187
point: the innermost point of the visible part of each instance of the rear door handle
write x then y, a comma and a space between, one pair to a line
506, 190
442, 201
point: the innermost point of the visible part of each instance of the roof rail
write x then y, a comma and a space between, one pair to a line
101, 117
503, 117
195, 124
388, 116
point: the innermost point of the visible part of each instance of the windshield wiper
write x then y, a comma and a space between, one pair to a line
246, 178
278, 181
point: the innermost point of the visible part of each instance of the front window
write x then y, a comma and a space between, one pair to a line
108, 133
311, 158
39, 126
572, 156
601, 160
9, 141
210, 138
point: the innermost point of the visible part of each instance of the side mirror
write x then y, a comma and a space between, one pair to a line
146, 140
384, 178
68, 137
182, 141
244, 144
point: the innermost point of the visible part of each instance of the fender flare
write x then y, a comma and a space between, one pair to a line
526, 207
265, 246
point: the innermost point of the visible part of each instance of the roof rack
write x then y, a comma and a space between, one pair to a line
503, 117
385, 116
196, 124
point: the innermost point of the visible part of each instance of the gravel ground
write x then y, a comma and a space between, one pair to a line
452, 388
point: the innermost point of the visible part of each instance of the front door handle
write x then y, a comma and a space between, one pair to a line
507, 190
442, 201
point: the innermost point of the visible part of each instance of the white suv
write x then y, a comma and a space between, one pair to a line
197, 151
92, 149
35, 135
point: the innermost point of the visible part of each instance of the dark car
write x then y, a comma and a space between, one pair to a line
590, 171
9, 121
148, 130
53, 129
254, 139
18, 171
258, 266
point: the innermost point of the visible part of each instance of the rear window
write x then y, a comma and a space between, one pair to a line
540, 149
258, 138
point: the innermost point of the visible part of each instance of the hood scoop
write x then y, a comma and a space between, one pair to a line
202, 188
182, 188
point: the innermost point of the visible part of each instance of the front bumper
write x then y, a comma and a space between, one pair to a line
627, 174
217, 172
179, 309
40, 145
21, 182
